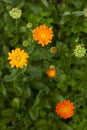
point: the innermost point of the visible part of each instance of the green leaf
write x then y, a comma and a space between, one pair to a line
7, 1
35, 72
18, 90
80, 74
35, 9
77, 3
34, 113
27, 92
62, 48
18, 3
45, 102
5, 49
83, 29
11, 77
39, 85
37, 100
7, 112
78, 13
31, 48
1, 63
56, 97
66, 13
45, 2
22, 29
1, 73
64, 126
14, 40
2, 89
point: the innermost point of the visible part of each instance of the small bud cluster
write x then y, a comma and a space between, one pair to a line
15, 13
79, 51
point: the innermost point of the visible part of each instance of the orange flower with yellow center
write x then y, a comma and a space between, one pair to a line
18, 58
51, 72
43, 35
65, 109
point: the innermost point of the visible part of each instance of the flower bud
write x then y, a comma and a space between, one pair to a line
29, 25
25, 43
16, 103
79, 51
52, 66
53, 50
15, 13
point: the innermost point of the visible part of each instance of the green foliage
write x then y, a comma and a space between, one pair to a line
28, 97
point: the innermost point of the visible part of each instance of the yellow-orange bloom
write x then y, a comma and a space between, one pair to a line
17, 58
43, 34
65, 109
51, 72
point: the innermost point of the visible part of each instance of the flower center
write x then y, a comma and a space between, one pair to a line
43, 35
18, 58
52, 72
64, 109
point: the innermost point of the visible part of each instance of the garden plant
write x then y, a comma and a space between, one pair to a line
43, 65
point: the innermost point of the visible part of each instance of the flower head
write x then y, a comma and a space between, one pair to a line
79, 51
85, 12
51, 72
15, 13
43, 34
17, 58
65, 109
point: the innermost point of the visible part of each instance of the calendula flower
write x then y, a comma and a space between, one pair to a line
43, 34
51, 72
53, 50
65, 109
79, 51
18, 58
85, 12
15, 13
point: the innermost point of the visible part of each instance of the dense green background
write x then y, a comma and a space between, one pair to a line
28, 96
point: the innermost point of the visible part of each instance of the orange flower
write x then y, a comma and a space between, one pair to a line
51, 72
43, 34
65, 109
18, 58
